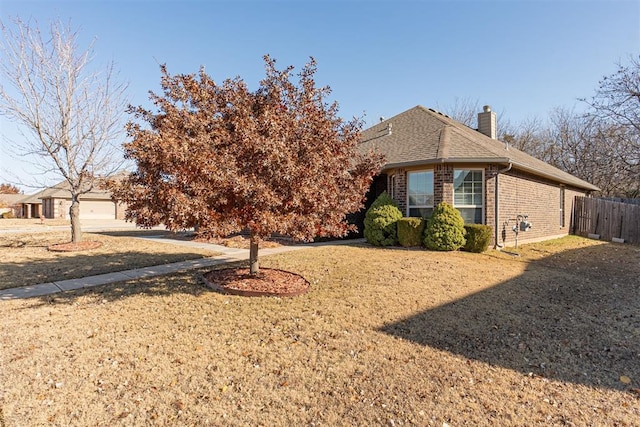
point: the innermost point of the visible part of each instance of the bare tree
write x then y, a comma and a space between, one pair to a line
524, 136
616, 104
69, 113
617, 99
463, 110
583, 145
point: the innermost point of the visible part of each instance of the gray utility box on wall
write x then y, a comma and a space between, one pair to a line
525, 225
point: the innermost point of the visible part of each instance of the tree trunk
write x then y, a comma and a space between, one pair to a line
74, 214
254, 267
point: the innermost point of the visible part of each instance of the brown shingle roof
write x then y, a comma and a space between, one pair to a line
11, 199
61, 191
424, 136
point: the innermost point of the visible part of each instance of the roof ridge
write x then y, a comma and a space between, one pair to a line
442, 117
396, 115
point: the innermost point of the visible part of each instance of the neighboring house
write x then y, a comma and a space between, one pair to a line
30, 207
13, 203
96, 204
431, 158
55, 201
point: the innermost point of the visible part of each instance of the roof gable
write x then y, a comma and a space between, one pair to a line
61, 190
424, 136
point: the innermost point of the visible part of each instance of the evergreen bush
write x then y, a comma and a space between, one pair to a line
445, 229
380, 221
478, 237
410, 231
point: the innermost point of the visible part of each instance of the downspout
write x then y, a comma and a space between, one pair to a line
496, 198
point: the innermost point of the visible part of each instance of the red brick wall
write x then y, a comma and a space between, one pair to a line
397, 188
525, 194
520, 194
443, 184
489, 194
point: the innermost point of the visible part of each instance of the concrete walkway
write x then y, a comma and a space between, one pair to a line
228, 255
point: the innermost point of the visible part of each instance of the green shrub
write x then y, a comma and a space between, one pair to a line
8, 215
380, 221
445, 229
410, 231
478, 237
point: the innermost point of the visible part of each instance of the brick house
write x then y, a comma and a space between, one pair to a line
431, 158
96, 204
15, 203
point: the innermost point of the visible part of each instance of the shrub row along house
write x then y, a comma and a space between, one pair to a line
431, 158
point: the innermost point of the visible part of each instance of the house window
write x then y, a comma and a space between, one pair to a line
420, 193
562, 207
468, 194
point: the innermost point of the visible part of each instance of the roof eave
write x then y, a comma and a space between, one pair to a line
499, 160
577, 182
504, 160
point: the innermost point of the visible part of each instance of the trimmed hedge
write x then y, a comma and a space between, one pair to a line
410, 231
380, 221
478, 237
445, 229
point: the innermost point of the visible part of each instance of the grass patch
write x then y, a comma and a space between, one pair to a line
384, 337
35, 223
25, 260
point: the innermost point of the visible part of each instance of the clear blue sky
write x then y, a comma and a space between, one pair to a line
379, 57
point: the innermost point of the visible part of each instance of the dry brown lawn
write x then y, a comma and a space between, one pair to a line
25, 260
34, 223
384, 337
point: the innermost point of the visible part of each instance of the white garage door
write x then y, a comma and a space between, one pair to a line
97, 209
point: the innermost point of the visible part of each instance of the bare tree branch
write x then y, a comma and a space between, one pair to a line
70, 114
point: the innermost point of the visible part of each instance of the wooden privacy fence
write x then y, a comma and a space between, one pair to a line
617, 199
609, 219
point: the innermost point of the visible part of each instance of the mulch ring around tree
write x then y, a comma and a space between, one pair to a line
75, 247
269, 282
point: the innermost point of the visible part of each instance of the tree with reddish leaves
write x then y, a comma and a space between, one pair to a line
9, 189
226, 159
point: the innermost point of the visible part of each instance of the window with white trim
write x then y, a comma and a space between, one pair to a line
420, 193
468, 194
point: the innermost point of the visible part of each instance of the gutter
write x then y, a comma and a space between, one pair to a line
575, 182
446, 160
496, 198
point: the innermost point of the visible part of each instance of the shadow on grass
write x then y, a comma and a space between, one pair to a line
187, 282
235, 240
572, 316
138, 233
82, 265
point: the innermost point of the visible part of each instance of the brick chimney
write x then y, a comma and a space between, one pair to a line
487, 122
